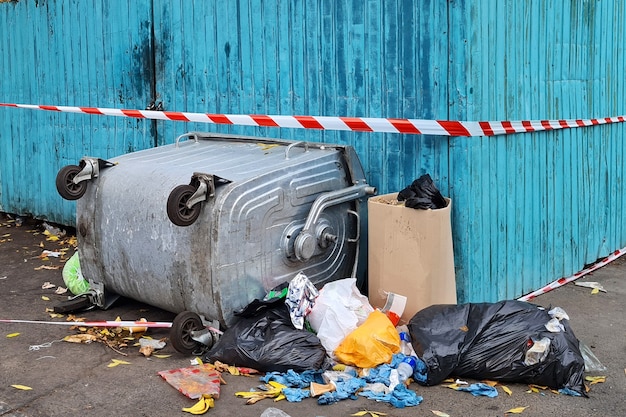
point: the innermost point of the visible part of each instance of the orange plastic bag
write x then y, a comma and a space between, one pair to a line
372, 343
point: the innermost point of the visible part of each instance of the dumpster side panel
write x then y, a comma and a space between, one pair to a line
242, 243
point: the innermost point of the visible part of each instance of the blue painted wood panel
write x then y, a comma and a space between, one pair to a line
535, 207
68, 52
528, 208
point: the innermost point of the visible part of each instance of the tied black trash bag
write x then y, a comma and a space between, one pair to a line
490, 341
422, 194
268, 342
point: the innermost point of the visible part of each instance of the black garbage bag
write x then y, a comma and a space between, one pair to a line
268, 342
422, 194
491, 341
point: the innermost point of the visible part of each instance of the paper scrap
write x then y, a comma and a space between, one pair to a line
590, 284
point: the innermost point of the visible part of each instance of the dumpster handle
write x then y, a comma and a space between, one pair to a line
306, 243
358, 226
306, 148
188, 134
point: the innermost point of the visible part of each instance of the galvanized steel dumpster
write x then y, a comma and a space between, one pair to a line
250, 214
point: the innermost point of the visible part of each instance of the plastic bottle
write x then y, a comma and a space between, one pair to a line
406, 368
405, 344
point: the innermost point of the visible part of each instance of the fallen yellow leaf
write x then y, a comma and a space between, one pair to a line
13, 335
22, 387
440, 413
490, 383
55, 315
43, 297
517, 410
595, 379
161, 356
48, 267
595, 291
115, 362
506, 389
80, 338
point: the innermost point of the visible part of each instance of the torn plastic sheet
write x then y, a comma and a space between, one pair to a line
194, 381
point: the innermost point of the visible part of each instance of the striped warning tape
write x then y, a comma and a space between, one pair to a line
562, 281
355, 124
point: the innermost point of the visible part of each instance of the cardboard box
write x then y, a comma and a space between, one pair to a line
409, 253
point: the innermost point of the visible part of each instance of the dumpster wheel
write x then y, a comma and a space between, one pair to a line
177, 209
180, 333
65, 184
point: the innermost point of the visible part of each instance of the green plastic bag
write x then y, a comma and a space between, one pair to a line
73, 277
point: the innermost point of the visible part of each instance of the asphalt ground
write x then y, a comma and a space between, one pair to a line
71, 379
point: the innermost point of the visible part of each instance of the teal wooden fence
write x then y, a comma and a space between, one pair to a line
528, 208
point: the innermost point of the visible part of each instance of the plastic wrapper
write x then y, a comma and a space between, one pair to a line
491, 341
374, 342
73, 277
268, 342
422, 194
339, 309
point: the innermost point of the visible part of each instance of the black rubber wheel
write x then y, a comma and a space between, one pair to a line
66, 187
177, 210
180, 333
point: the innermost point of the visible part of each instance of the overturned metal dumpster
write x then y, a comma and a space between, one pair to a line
212, 222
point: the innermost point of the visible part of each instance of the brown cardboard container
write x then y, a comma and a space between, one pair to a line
409, 253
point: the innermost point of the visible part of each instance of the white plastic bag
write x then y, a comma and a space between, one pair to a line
339, 309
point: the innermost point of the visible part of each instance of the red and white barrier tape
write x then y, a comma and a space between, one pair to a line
562, 281
355, 124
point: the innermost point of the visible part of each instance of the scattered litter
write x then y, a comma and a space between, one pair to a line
394, 306
339, 309
4, 277
116, 362
194, 381
498, 335
202, 406
274, 412
538, 351
272, 389
10, 335
196, 361
440, 413
592, 363
371, 344
47, 285
46, 253
558, 313
43, 345
301, 295
595, 379
268, 341
60, 290
73, 276
591, 284
80, 338
148, 346
422, 194
21, 387
46, 357
517, 410
477, 390
459, 382
47, 267
50, 230
371, 413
